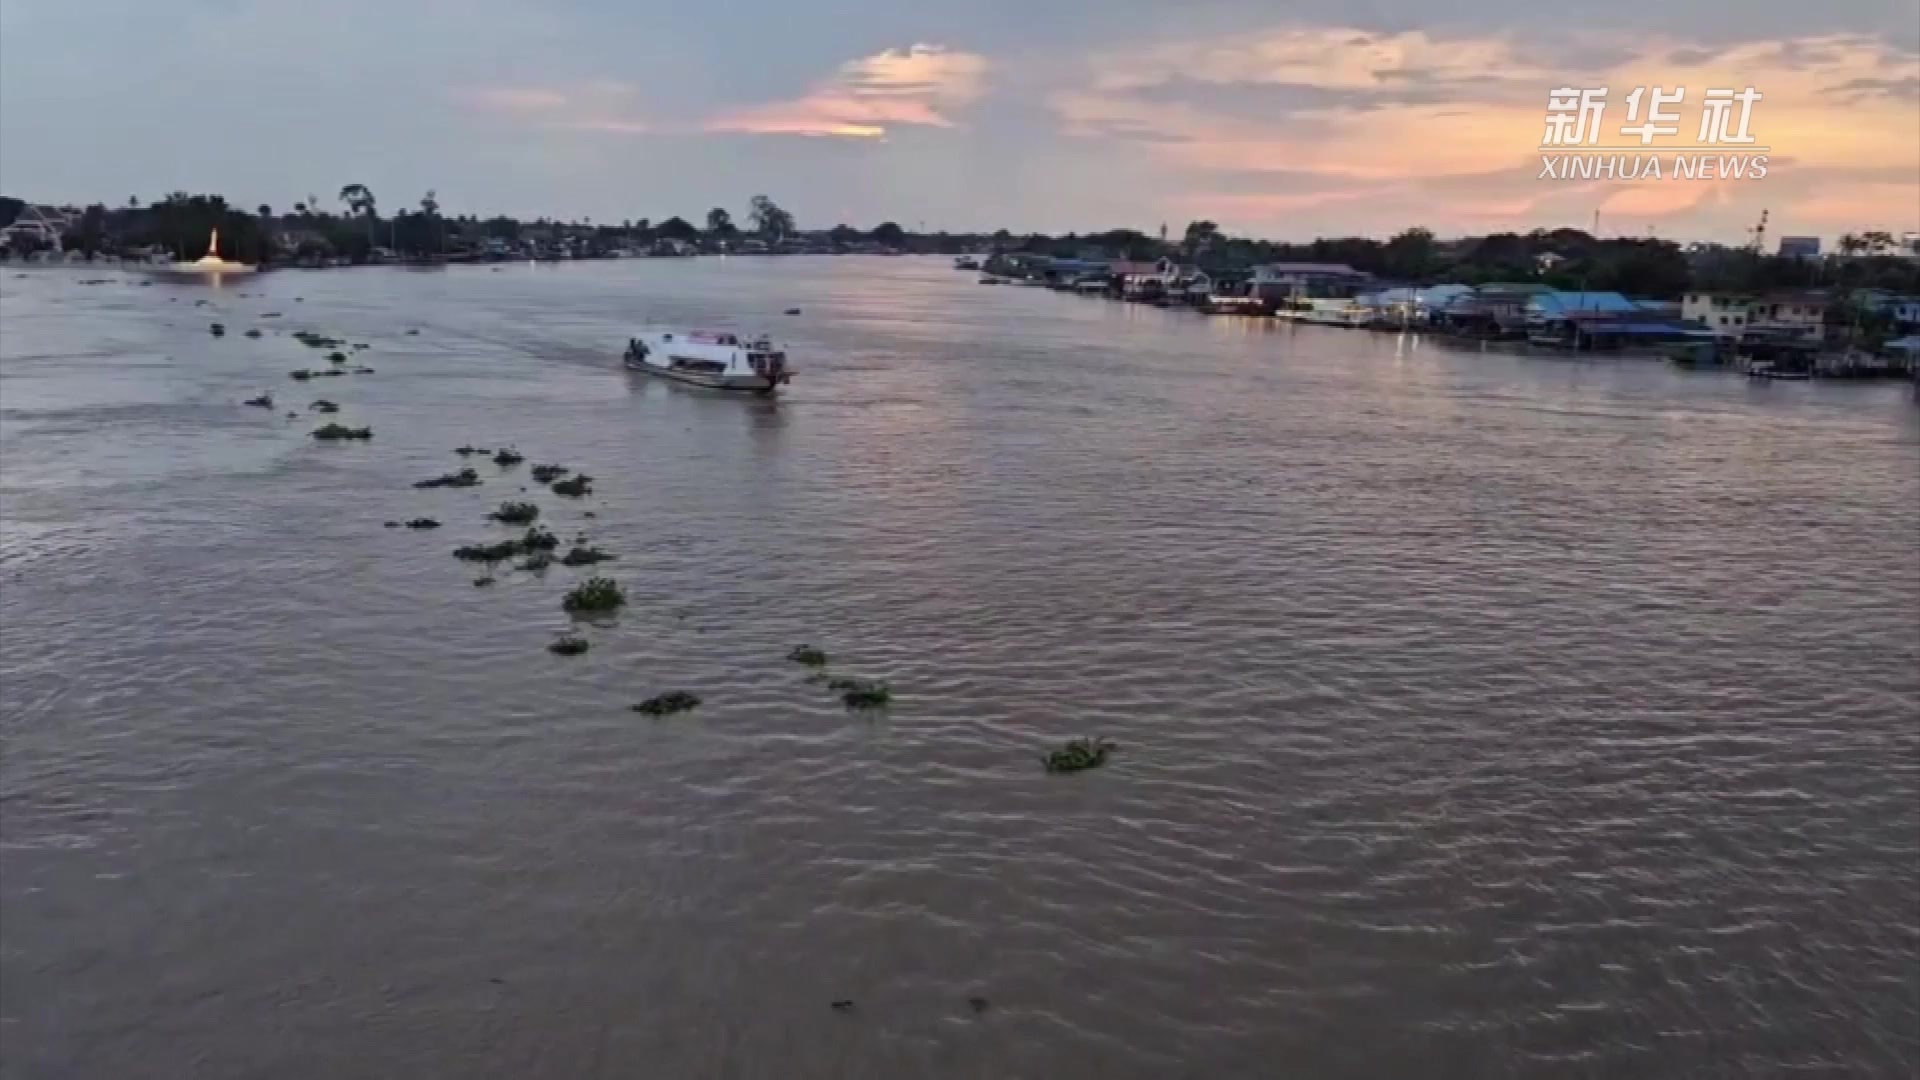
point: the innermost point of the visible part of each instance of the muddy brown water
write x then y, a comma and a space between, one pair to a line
1477, 714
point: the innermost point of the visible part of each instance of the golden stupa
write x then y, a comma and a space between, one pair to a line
211, 262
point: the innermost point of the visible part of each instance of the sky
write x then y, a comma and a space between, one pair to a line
1287, 119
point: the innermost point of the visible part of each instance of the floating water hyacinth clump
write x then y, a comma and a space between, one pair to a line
332, 432
303, 375
508, 457
488, 553
337, 357
467, 451
536, 562
594, 594
1078, 754
582, 555
808, 655
570, 645
574, 487
217, 330
463, 478
482, 581
516, 513
254, 333
667, 704
264, 401
423, 523
547, 474
325, 406
861, 693
538, 539
317, 341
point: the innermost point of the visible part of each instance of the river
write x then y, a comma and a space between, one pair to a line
1477, 714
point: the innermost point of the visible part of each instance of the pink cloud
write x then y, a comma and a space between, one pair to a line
921, 85
1371, 130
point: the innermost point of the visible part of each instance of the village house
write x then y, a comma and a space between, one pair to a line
1797, 313
1276, 282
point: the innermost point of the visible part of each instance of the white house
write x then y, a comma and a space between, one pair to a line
1800, 313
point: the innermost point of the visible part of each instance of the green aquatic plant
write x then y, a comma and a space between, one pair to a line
1078, 754
264, 401
316, 341
594, 594
538, 539
332, 432
463, 478
254, 333
217, 330
570, 645
516, 513
535, 562
466, 451
422, 523
575, 486
866, 694
303, 374
482, 582
582, 555
547, 474
325, 406
363, 371
507, 458
669, 703
488, 553
808, 655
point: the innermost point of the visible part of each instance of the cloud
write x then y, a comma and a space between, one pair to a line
1323, 57
921, 85
1854, 91
605, 105
515, 99
1306, 124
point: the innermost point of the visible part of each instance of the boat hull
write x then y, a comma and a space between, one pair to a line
739, 384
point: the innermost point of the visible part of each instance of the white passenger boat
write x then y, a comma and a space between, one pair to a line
719, 361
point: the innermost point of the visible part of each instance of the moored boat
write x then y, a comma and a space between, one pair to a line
718, 361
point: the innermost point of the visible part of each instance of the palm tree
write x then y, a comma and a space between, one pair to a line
359, 200
133, 201
430, 206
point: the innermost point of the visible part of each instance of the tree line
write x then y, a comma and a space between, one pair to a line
1563, 258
